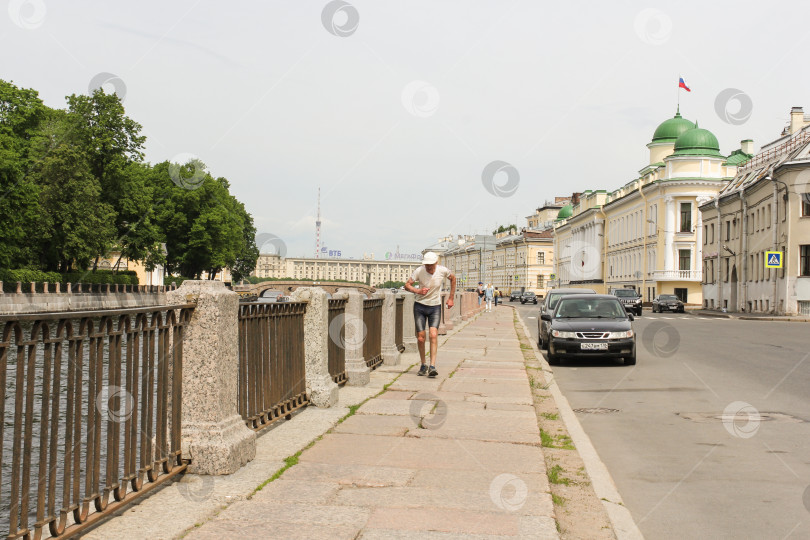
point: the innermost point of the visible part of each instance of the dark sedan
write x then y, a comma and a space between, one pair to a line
667, 302
589, 326
515, 295
527, 297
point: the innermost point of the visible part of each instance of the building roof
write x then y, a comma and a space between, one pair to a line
697, 142
671, 129
565, 212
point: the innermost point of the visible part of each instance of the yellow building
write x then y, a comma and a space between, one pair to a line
646, 235
366, 271
765, 208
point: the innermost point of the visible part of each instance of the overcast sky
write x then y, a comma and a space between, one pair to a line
395, 109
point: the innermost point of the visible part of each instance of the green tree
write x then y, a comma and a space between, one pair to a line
21, 116
76, 225
113, 143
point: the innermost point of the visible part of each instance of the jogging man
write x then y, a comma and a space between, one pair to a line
428, 305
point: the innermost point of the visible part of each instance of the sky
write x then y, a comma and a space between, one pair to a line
416, 119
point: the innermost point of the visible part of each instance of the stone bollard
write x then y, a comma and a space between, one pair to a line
448, 314
357, 372
442, 308
389, 320
323, 392
411, 352
214, 435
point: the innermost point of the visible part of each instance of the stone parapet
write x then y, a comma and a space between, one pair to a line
390, 351
354, 335
322, 390
214, 435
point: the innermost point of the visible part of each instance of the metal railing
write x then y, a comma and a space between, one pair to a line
372, 319
90, 405
398, 324
272, 372
337, 349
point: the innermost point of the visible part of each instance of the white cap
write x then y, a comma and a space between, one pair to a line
430, 258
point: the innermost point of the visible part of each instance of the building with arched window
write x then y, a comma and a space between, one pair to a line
647, 234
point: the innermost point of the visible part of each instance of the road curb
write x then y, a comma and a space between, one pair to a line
624, 526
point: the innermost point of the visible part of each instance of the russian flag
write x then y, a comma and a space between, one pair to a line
682, 84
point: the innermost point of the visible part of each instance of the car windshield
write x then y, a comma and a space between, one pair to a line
668, 297
529, 293
625, 292
582, 308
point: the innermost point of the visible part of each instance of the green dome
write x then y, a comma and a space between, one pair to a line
565, 212
697, 142
671, 129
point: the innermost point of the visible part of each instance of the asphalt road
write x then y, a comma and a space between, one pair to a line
708, 435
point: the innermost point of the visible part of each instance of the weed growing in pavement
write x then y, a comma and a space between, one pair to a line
550, 416
557, 500
546, 440
555, 478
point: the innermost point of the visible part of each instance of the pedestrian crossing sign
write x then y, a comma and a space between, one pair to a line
773, 259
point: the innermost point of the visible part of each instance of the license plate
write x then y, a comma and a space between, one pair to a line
594, 346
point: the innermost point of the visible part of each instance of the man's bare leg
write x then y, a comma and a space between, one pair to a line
420, 344
434, 345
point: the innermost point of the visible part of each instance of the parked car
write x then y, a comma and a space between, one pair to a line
515, 295
527, 297
548, 307
630, 299
588, 326
667, 302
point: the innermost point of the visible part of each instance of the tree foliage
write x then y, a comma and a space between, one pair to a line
74, 188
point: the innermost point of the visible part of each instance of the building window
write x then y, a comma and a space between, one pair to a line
540, 281
705, 234
804, 260
684, 259
541, 257
712, 241
728, 230
805, 200
686, 217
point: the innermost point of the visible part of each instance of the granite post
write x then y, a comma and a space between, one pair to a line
390, 351
322, 390
214, 435
442, 309
411, 352
357, 372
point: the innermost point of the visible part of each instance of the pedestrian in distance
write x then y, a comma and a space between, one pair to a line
427, 306
489, 294
480, 293
497, 296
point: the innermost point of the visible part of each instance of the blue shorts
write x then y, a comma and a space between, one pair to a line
423, 314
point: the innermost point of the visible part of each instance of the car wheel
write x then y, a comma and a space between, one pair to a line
638, 312
654, 310
628, 360
553, 360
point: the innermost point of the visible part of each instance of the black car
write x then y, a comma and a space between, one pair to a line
630, 299
528, 296
667, 302
515, 295
590, 326
549, 304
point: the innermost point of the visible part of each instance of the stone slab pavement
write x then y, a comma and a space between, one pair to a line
457, 456
453, 457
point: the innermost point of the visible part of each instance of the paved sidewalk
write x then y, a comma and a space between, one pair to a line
750, 316
457, 456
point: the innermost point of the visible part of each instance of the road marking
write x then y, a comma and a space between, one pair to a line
531, 317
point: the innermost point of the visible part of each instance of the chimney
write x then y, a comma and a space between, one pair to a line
575, 198
747, 146
796, 119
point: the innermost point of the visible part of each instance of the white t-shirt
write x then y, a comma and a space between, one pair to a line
433, 282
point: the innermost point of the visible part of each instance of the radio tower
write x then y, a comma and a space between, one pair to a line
318, 227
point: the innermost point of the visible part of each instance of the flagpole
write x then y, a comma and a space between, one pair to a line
679, 92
